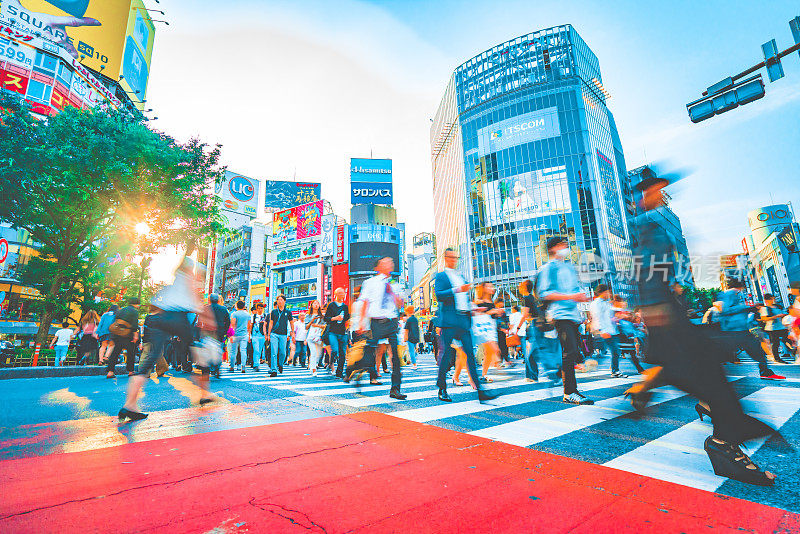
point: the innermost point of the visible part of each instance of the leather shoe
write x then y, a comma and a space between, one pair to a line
443, 396
395, 394
483, 396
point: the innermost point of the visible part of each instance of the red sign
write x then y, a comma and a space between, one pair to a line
13, 82
340, 277
744, 245
211, 266
340, 244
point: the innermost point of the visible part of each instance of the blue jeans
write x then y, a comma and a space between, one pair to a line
237, 342
611, 345
412, 352
539, 348
61, 353
258, 349
338, 343
277, 344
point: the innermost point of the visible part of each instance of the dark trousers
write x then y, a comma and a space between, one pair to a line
501, 344
691, 362
338, 343
448, 355
165, 325
120, 344
775, 338
568, 336
369, 359
745, 340
299, 353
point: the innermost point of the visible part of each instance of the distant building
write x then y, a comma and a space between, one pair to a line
422, 256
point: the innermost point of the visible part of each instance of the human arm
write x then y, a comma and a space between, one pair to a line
269, 325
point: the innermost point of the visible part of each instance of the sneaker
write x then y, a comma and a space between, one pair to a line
617, 374
772, 376
530, 380
577, 398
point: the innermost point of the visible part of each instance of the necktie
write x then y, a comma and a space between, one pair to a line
388, 298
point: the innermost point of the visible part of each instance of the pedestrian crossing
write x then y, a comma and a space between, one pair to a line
532, 414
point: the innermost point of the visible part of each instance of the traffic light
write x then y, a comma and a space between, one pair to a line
772, 60
725, 96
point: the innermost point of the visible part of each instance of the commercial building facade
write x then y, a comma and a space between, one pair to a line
524, 148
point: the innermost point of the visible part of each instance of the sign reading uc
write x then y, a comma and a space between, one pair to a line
241, 188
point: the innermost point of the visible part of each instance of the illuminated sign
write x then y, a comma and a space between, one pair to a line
527, 196
340, 243
518, 130
610, 195
92, 31
239, 199
298, 253
282, 195
371, 181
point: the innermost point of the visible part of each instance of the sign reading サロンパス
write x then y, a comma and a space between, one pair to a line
371, 181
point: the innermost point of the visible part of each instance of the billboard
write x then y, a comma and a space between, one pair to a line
519, 130
298, 222
364, 255
138, 52
93, 31
239, 199
340, 249
610, 195
371, 181
281, 195
300, 252
527, 196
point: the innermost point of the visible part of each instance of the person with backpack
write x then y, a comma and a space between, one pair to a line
124, 334
557, 284
772, 317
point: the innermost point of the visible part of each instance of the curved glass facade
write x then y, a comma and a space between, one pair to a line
541, 157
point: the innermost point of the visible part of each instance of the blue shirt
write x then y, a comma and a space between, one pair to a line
733, 317
558, 276
242, 317
105, 322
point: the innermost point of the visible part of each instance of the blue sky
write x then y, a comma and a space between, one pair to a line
297, 88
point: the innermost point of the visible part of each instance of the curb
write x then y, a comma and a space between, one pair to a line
10, 373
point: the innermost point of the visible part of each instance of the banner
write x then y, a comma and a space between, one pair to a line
284, 226
298, 253
239, 199
340, 244
371, 181
610, 195
328, 235
309, 220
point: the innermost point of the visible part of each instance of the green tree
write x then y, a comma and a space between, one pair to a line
700, 298
80, 181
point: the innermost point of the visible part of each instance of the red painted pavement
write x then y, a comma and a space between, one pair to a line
367, 472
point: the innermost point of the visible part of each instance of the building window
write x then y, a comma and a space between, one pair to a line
39, 91
45, 63
64, 74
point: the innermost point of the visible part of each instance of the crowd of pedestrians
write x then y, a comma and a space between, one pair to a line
556, 327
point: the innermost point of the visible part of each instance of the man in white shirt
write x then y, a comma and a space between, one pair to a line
61, 342
603, 325
380, 301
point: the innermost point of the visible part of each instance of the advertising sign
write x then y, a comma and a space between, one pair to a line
284, 226
93, 31
239, 199
364, 255
328, 236
340, 244
371, 181
527, 196
138, 51
788, 239
610, 195
298, 253
519, 130
309, 219
340, 278
282, 195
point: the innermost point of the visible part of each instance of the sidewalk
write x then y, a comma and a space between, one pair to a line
366, 472
49, 371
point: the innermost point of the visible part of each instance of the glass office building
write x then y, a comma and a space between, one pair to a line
525, 148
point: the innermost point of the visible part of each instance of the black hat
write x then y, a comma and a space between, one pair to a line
650, 181
554, 241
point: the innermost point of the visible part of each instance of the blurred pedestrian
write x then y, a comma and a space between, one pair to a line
104, 335
240, 323
337, 315
222, 319
315, 326
87, 330
411, 334
299, 335
124, 334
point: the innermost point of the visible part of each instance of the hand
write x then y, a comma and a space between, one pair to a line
580, 297
465, 288
338, 317
605, 336
57, 25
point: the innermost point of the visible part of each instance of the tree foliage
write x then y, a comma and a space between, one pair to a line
80, 181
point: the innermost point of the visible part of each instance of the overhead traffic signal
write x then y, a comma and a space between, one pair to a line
725, 96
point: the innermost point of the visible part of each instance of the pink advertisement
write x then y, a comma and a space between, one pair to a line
309, 219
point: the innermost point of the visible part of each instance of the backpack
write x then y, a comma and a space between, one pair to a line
540, 317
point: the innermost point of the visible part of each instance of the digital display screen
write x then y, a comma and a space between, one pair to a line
364, 255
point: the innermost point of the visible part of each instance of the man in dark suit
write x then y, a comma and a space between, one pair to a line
223, 321
456, 324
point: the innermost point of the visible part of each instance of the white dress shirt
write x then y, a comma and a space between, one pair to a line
462, 299
601, 311
373, 291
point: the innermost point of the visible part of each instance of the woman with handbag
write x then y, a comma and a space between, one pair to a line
315, 327
484, 326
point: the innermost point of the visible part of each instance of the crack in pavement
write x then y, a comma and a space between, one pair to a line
172, 482
277, 509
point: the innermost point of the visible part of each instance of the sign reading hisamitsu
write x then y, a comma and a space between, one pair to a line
371, 181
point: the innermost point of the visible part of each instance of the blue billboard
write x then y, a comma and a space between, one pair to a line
281, 195
371, 181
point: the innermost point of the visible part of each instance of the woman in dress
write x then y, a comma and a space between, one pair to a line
484, 328
315, 325
87, 328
